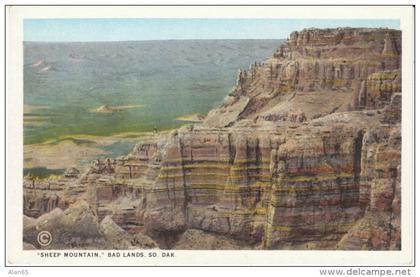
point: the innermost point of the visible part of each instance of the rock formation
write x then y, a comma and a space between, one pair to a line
104, 109
304, 153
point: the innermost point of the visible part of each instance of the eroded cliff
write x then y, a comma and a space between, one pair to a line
304, 153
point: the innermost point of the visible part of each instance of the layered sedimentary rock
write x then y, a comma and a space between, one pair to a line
312, 62
78, 227
304, 153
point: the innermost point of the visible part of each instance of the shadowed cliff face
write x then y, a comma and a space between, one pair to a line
304, 153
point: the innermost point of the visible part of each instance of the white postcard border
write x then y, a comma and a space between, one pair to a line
14, 138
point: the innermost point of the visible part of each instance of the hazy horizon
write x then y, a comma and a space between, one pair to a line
159, 29
151, 40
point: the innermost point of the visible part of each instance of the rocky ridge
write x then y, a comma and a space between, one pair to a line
304, 153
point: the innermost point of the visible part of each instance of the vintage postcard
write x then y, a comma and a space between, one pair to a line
210, 135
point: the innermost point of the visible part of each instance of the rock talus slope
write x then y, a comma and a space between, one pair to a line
304, 153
